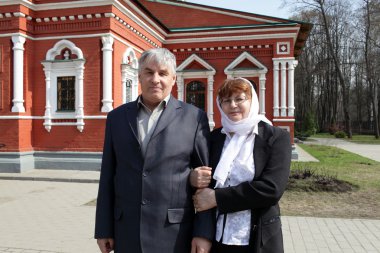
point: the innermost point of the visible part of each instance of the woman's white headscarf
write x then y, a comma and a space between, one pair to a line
241, 130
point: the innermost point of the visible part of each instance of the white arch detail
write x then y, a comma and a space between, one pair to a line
57, 68
129, 71
59, 46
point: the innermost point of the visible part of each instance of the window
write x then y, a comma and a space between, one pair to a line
128, 90
66, 93
195, 94
253, 85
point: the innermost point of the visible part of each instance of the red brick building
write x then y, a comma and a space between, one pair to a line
65, 63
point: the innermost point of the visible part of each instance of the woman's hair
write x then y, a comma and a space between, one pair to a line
231, 86
162, 56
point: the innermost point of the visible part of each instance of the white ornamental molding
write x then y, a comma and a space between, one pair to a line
219, 48
66, 67
84, 16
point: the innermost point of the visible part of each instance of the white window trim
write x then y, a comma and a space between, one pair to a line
208, 72
57, 68
129, 70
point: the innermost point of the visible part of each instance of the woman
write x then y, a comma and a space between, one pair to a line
251, 161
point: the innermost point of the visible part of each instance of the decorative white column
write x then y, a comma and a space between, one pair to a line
107, 73
47, 116
18, 73
79, 115
283, 89
210, 101
180, 87
292, 65
275, 89
262, 80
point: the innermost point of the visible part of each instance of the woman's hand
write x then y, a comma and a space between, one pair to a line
204, 199
200, 177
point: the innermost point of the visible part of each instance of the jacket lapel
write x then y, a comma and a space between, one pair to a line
131, 114
167, 116
260, 153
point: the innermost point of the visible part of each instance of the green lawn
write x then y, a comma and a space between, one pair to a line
362, 202
361, 139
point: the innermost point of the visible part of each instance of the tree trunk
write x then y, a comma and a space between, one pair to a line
342, 82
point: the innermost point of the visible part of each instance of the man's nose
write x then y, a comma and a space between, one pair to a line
156, 78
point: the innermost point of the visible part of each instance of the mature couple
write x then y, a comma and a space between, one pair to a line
155, 190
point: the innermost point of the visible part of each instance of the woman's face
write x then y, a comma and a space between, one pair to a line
237, 106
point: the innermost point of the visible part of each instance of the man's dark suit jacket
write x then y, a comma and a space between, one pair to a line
146, 204
272, 156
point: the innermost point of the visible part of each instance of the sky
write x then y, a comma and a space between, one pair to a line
263, 7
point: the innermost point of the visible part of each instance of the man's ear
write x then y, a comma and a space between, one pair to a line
174, 79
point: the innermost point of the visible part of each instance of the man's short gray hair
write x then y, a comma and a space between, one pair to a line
162, 56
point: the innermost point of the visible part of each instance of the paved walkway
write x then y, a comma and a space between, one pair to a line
366, 150
48, 216
48, 211
303, 156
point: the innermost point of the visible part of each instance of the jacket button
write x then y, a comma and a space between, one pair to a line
144, 174
144, 202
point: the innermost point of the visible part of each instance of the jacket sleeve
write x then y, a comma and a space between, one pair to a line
105, 201
267, 189
204, 224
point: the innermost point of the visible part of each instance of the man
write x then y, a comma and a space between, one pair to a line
145, 199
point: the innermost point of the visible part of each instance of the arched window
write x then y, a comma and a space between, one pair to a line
195, 94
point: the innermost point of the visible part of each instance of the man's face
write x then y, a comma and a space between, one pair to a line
156, 83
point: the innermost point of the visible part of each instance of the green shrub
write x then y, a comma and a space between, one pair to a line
340, 134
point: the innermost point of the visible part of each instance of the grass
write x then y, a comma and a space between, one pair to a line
363, 201
360, 139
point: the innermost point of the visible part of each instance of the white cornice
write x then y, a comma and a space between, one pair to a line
283, 59
253, 30
232, 38
21, 117
94, 3
62, 5
97, 35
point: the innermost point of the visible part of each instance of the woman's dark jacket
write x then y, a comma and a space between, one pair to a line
272, 156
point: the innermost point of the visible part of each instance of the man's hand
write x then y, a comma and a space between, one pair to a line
200, 245
105, 245
200, 177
